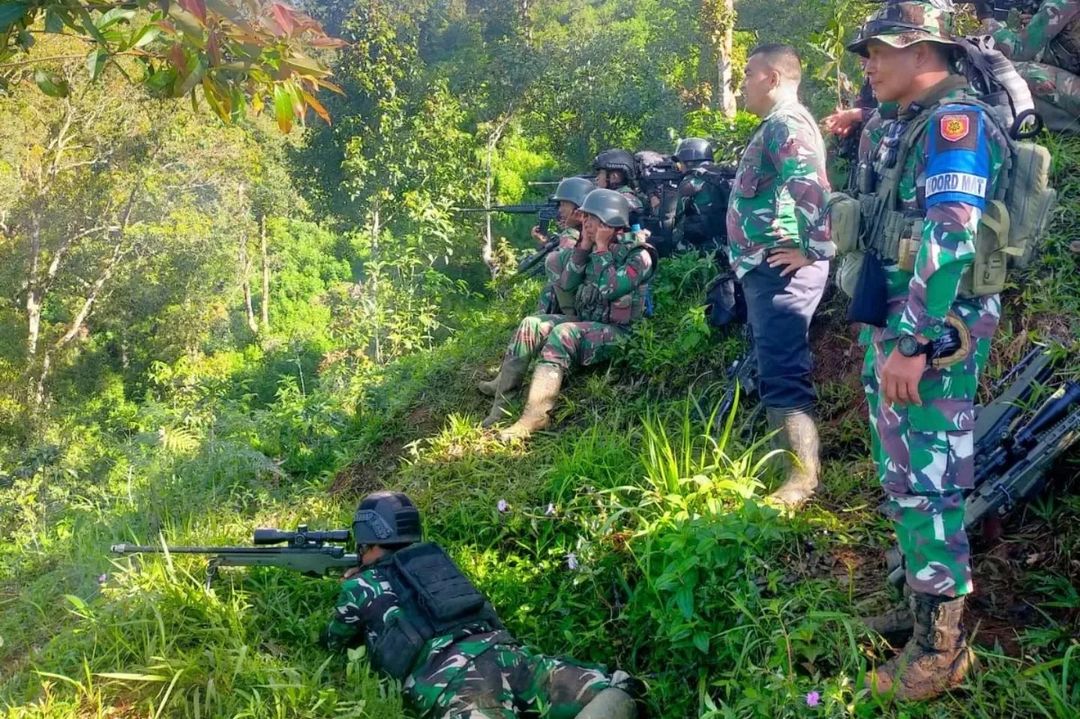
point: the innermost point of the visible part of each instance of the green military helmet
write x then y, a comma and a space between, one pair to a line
693, 149
611, 207
616, 159
901, 24
386, 518
573, 189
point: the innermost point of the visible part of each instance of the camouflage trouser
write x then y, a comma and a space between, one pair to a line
925, 460
559, 341
1056, 93
547, 302
509, 679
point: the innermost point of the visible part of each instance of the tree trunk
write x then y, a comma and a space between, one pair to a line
265, 277
33, 289
375, 230
245, 271
723, 61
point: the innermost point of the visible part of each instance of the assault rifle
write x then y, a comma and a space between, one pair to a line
546, 213
310, 552
1013, 452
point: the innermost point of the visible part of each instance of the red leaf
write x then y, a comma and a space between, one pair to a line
195, 7
283, 15
177, 58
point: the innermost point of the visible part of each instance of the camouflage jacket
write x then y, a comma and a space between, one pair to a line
636, 200
960, 158
367, 605
780, 191
609, 286
568, 237
1052, 36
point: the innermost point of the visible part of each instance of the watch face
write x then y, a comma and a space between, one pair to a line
908, 346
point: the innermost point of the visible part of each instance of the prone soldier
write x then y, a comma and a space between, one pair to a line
425, 624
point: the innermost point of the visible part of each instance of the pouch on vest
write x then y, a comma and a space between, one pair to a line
869, 304
442, 591
847, 276
1030, 200
398, 647
844, 215
986, 274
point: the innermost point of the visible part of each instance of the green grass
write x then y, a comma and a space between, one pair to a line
724, 607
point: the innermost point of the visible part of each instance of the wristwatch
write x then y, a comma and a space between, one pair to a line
910, 346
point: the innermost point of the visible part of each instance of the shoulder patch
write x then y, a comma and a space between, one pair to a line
955, 130
955, 127
958, 157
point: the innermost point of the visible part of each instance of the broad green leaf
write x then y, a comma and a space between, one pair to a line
283, 108
117, 14
160, 83
54, 21
50, 83
193, 78
11, 13
90, 27
145, 35
95, 61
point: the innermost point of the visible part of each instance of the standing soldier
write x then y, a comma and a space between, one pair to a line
779, 247
925, 183
569, 194
601, 287
1046, 52
426, 625
699, 215
617, 170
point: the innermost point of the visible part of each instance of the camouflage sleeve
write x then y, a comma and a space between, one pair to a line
574, 262
346, 628
615, 281
797, 154
959, 166
1027, 43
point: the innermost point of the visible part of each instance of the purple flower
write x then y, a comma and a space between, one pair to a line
503, 506
550, 511
571, 561
102, 578
813, 699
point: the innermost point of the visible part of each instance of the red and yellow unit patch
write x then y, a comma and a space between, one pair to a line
955, 127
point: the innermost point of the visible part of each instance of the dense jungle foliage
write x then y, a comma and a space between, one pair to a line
211, 326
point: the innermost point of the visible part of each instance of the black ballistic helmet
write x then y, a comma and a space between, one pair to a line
616, 159
386, 518
611, 207
573, 189
693, 149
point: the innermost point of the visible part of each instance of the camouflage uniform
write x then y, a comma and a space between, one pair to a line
483, 675
924, 453
697, 223
636, 200
548, 303
780, 191
777, 200
1047, 55
606, 291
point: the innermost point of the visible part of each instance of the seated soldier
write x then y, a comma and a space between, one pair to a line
617, 170
702, 205
569, 194
601, 285
426, 625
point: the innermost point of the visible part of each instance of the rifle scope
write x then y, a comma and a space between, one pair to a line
302, 537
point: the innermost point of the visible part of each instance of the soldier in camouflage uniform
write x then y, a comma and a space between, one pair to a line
1046, 52
922, 417
450, 651
702, 202
569, 194
779, 247
617, 170
601, 285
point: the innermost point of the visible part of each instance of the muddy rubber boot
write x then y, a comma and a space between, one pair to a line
936, 659
798, 434
544, 390
509, 378
611, 703
511, 372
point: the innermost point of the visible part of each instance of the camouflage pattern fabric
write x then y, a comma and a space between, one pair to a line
636, 200
780, 191
1046, 53
697, 214
564, 342
608, 286
508, 681
924, 453
481, 675
548, 303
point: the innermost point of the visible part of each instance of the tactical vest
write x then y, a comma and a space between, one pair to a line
435, 600
634, 305
1013, 221
1064, 48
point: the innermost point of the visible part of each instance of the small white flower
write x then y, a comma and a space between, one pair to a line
571, 561
503, 506
102, 578
550, 511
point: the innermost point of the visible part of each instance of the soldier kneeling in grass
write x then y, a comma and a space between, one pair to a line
601, 284
425, 624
